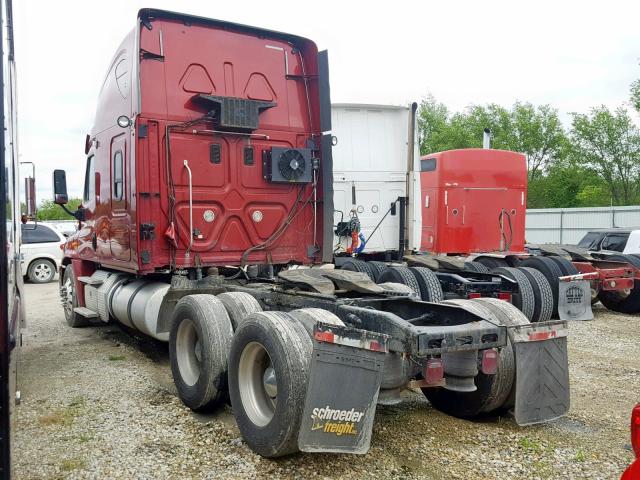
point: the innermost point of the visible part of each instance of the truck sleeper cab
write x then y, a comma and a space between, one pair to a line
208, 195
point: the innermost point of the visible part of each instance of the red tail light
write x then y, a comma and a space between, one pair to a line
635, 430
434, 371
506, 296
475, 295
490, 361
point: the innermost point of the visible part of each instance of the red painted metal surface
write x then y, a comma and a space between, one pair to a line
463, 198
234, 207
609, 275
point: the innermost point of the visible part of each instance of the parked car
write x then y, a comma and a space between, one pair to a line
41, 251
625, 240
633, 471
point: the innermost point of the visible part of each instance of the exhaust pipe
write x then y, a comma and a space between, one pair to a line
486, 139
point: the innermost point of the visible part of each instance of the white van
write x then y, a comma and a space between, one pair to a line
41, 251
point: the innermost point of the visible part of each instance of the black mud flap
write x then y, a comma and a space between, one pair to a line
574, 300
343, 390
542, 371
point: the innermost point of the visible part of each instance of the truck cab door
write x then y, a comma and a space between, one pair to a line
119, 216
89, 247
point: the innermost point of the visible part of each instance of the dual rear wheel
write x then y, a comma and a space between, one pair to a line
226, 347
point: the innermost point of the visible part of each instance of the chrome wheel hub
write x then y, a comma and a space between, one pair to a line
258, 384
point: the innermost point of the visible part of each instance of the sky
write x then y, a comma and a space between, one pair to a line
571, 54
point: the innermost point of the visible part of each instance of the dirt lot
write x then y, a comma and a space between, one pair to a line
100, 403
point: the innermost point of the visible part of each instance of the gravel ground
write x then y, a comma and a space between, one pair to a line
100, 403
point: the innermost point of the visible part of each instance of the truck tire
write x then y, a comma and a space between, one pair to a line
475, 267
68, 295
268, 376
239, 305
552, 272
41, 270
524, 300
430, 288
492, 390
308, 317
566, 267
398, 288
623, 302
377, 268
491, 262
400, 275
199, 344
355, 265
542, 293
509, 316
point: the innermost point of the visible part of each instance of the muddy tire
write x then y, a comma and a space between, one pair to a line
623, 302
542, 293
524, 300
400, 275
430, 288
475, 267
69, 297
507, 315
491, 262
356, 265
377, 268
551, 271
492, 390
199, 345
239, 306
268, 377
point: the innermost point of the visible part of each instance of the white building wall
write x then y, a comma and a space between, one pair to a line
569, 225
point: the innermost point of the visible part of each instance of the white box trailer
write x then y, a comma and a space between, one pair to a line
373, 152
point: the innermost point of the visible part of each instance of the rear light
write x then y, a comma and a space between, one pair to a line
506, 296
635, 430
434, 371
475, 295
490, 359
327, 337
538, 336
373, 344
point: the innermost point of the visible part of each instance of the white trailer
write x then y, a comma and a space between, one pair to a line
377, 151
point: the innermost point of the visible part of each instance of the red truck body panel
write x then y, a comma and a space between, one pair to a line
463, 193
167, 61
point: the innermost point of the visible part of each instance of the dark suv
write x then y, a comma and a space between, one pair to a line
611, 239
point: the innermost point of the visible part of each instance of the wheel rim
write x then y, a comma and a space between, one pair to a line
258, 384
42, 271
188, 352
67, 297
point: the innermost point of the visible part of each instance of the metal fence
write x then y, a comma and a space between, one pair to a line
569, 225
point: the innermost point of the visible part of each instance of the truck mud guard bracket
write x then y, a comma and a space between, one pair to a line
574, 299
542, 371
343, 390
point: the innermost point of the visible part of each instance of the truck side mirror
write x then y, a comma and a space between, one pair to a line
60, 196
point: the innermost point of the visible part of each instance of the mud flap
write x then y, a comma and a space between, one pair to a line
574, 300
343, 390
542, 371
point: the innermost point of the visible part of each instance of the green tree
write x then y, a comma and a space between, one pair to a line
609, 144
635, 95
51, 211
433, 125
538, 133
535, 131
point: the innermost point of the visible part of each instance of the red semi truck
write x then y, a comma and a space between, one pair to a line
207, 222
